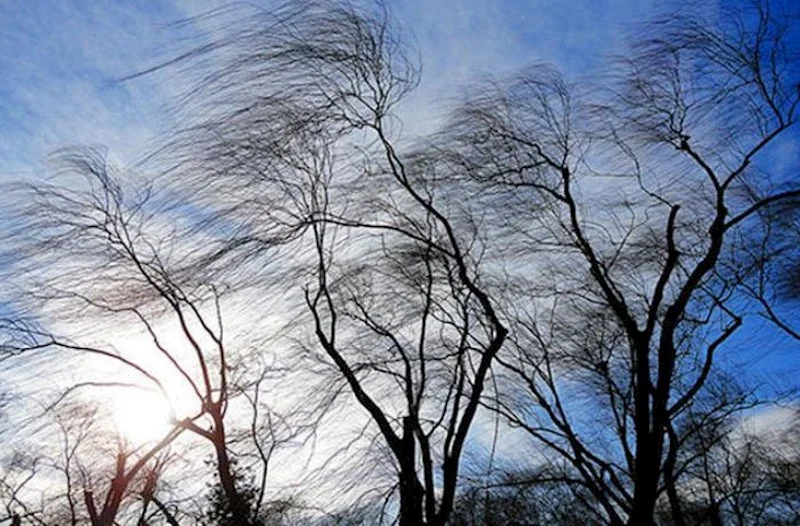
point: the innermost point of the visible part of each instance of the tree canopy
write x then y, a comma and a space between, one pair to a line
334, 313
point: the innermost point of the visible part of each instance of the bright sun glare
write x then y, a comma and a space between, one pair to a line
141, 416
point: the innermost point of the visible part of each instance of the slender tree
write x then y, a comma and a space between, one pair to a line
627, 202
573, 255
299, 147
89, 248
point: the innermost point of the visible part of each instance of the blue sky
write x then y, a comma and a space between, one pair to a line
61, 61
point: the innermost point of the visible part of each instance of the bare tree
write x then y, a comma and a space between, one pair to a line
625, 200
19, 470
100, 471
298, 146
587, 239
765, 262
597, 221
84, 247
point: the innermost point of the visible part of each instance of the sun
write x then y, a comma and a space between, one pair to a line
141, 416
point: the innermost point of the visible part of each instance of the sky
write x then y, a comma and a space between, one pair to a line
62, 63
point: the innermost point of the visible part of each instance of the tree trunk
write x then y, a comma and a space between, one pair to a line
238, 507
648, 451
410, 491
645, 487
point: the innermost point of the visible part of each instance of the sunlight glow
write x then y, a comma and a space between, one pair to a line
141, 416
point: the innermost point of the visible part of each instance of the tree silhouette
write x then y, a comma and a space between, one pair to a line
117, 271
571, 256
634, 290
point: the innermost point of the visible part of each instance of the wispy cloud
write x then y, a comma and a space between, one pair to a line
61, 61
